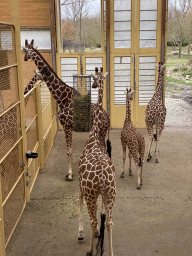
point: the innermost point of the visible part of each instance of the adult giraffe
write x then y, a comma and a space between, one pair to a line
63, 94
155, 114
97, 176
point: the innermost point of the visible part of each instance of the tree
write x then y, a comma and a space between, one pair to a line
85, 19
68, 30
180, 9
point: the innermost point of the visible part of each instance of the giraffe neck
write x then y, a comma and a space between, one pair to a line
128, 110
56, 86
31, 84
97, 119
29, 87
159, 83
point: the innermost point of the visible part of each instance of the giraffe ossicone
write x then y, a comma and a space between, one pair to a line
97, 177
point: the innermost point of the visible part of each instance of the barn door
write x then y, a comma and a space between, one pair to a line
135, 49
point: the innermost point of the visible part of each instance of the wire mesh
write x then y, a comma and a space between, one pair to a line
13, 208
10, 129
10, 170
82, 103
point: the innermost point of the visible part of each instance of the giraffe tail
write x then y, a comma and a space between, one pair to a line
109, 145
100, 243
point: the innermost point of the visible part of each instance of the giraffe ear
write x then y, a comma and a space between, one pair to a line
106, 74
26, 43
32, 42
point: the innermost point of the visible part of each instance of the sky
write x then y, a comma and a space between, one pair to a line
93, 6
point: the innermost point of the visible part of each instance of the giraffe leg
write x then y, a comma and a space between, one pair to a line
130, 170
157, 151
68, 136
94, 224
149, 151
109, 207
80, 233
150, 132
124, 158
139, 179
97, 229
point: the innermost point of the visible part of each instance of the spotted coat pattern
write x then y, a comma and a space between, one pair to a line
134, 140
96, 174
156, 113
63, 94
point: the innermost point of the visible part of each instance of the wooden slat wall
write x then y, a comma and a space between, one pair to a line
5, 11
34, 13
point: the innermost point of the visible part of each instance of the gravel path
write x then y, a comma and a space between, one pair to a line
179, 108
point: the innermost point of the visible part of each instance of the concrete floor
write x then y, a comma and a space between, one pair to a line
157, 220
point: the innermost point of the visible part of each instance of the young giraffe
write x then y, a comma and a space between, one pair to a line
63, 94
155, 114
96, 174
31, 83
135, 141
8, 122
9, 131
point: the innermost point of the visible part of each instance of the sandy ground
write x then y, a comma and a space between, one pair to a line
157, 220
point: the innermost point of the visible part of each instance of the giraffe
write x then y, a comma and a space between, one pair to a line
8, 121
155, 114
8, 135
63, 94
31, 83
135, 141
96, 176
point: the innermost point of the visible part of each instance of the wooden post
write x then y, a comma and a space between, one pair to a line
108, 53
39, 126
16, 22
163, 40
2, 237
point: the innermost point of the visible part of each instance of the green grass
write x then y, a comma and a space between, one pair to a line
169, 79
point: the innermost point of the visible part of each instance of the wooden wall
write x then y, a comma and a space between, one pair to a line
33, 13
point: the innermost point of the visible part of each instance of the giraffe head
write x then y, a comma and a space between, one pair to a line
129, 94
28, 49
38, 74
161, 68
98, 77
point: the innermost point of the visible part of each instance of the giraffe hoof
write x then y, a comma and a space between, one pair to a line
68, 179
156, 161
130, 174
68, 175
139, 188
122, 175
149, 158
89, 254
80, 238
